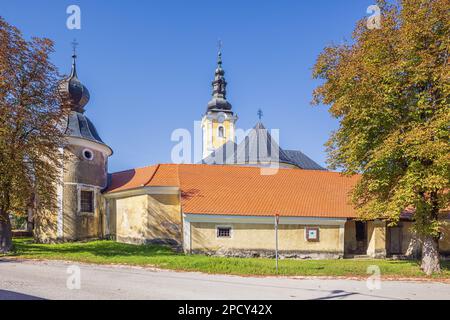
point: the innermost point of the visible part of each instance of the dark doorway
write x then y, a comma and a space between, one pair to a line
361, 237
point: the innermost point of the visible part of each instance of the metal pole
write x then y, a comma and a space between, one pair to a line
276, 243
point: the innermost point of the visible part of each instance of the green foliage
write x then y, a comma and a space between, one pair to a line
18, 221
390, 89
31, 115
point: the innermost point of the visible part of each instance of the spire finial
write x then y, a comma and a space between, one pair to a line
260, 114
219, 52
74, 44
219, 94
74, 57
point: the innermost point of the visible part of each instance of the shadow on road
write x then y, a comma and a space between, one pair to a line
336, 294
10, 295
5, 260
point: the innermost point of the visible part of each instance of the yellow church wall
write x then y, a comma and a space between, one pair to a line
380, 240
75, 225
111, 218
131, 215
164, 218
408, 240
217, 142
148, 219
444, 243
45, 229
407, 236
376, 242
260, 239
350, 237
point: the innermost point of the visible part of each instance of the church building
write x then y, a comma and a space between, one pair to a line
257, 148
84, 175
222, 206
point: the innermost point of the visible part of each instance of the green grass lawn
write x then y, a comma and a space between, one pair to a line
110, 252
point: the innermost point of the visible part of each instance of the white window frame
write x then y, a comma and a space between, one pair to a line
94, 199
306, 233
90, 151
227, 227
218, 132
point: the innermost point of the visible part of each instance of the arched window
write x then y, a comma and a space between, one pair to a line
221, 132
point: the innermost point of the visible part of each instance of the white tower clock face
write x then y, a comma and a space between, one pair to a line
221, 118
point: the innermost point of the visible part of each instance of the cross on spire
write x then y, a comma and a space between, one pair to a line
260, 114
74, 44
219, 52
219, 45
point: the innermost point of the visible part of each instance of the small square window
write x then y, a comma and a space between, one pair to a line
312, 234
223, 232
87, 201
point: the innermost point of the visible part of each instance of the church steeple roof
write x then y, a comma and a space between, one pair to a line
219, 95
72, 86
77, 123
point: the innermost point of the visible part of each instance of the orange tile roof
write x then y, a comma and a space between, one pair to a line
238, 190
151, 176
166, 175
131, 179
244, 191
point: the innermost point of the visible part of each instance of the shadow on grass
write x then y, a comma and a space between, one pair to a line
106, 251
100, 248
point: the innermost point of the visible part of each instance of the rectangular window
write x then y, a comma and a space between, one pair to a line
223, 232
312, 234
87, 201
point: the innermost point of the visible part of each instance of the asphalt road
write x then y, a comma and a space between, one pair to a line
58, 280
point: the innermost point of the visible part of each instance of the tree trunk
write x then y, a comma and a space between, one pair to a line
30, 225
430, 255
5, 233
414, 247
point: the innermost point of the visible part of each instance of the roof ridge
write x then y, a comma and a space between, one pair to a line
152, 176
143, 167
158, 165
256, 167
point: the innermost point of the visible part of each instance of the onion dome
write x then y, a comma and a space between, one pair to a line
78, 93
219, 99
77, 124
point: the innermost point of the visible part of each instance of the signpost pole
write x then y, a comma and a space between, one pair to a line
277, 217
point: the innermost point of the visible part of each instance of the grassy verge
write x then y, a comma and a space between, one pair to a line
110, 252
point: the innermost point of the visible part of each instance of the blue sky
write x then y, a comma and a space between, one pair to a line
149, 65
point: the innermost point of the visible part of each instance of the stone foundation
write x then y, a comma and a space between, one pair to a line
140, 241
238, 253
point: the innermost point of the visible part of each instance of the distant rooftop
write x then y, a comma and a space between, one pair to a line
259, 148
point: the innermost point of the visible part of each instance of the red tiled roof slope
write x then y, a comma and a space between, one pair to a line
131, 179
238, 190
165, 176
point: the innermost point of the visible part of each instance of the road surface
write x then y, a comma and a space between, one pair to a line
58, 280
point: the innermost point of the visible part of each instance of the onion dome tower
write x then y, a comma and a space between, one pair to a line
78, 125
85, 175
218, 123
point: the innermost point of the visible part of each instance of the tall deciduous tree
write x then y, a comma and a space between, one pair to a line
30, 130
390, 89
